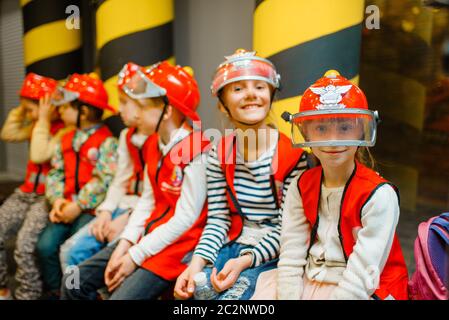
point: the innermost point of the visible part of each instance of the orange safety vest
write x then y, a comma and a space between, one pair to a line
78, 166
360, 187
37, 173
286, 157
166, 175
135, 184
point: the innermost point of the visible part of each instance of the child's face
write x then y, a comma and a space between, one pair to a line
150, 112
334, 157
333, 129
31, 109
68, 114
248, 101
129, 110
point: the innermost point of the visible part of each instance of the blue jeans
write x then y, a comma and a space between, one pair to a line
83, 245
244, 287
47, 249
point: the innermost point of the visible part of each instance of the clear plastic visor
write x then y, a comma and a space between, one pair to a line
140, 87
62, 96
347, 129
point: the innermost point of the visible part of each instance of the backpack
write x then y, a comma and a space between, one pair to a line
431, 278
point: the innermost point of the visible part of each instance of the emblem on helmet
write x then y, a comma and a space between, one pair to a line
330, 96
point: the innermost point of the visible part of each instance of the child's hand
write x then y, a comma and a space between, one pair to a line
56, 211
100, 227
185, 286
230, 272
45, 108
70, 212
125, 266
113, 264
116, 227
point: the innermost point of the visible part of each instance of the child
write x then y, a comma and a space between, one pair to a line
246, 183
167, 222
83, 166
23, 213
125, 188
338, 231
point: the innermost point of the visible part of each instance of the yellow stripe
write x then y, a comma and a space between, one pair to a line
23, 3
291, 105
111, 87
282, 24
48, 40
116, 18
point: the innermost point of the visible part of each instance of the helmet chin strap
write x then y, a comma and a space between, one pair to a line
241, 122
166, 102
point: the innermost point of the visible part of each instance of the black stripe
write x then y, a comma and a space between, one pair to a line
258, 3
303, 64
38, 12
58, 67
143, 47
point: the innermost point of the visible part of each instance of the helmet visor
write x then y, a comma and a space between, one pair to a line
315, 129
141, 87
245, 68
62, 96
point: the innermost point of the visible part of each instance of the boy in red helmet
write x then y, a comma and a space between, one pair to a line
166, 224
338, 238
23, 213
83, 167
126, 187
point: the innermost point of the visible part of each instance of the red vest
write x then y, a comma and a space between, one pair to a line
37, 173
286, 157
138, 159
358, 190
166, 176
78, 166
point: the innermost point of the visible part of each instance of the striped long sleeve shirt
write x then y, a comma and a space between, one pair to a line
262, 218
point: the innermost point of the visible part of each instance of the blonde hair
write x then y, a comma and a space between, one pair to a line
364, 156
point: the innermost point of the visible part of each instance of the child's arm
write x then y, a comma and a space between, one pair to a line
295, 236
380, 216
94, 191
16, 128
118, 187
188, 209
54, 184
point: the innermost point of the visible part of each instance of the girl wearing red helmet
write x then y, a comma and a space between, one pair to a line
167, 221
339, 225
83, 167
23, 213
246, 183
125, 189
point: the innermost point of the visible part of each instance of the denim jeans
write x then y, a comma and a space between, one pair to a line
48, 245
83, 245
244, 287
140, 285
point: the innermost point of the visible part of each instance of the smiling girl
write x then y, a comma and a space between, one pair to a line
338, 230
248, 173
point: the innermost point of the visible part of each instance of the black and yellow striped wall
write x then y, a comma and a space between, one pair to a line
50, 48
139, 30
304, 39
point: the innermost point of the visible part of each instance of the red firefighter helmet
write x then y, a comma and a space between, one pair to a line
87, 88
35, 86
127, 72
334, 112
244, 65
164, 80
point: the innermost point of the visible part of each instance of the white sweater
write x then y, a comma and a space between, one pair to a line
188, 208
326, 261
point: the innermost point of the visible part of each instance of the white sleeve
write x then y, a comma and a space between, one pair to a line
188, 209
140, 214
123, 174
380, 217
295, 237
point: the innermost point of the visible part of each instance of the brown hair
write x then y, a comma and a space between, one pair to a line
364, 156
